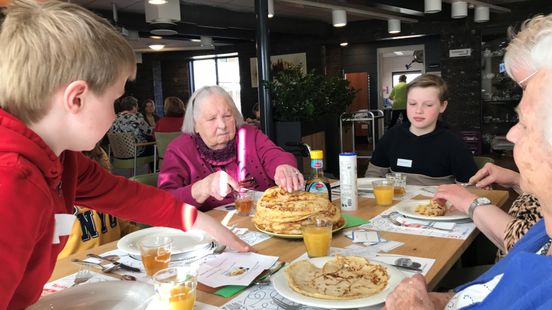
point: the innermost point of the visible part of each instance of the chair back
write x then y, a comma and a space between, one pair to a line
480, 161
149, 179
122, 144
163, 139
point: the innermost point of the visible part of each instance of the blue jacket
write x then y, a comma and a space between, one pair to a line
527, 280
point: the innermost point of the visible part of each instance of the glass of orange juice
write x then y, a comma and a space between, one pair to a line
245, 204
317, 235
156, 253
384, 191
399, 180
175, 287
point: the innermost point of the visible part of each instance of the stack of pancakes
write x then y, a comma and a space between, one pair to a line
345, 277
281, 212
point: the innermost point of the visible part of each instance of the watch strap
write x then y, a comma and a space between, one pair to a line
476, 203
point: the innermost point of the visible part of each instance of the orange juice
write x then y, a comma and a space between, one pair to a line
155, 260
384, 194
317, 240
182, 298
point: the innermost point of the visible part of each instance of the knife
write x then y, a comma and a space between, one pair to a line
121, 265
406, 267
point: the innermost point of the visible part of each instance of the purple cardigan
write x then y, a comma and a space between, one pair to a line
183, 165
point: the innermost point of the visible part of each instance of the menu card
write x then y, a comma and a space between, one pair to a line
234, 269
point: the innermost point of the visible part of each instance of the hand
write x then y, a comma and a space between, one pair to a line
217, 185
491, 173
410, 294
289, 177
220, 233
459, 197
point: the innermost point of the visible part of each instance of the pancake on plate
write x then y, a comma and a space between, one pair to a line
281, 212
431, 208
345, 277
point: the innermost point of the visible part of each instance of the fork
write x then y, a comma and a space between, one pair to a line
286, 306
82, 276
397, 223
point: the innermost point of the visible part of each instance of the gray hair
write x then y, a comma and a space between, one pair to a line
199, 98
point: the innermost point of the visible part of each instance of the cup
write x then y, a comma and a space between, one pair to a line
317, 235
384, 190
399, 181
245, 204
156, 253
175, 287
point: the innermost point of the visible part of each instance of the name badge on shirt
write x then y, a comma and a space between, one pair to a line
64, 225
404, 162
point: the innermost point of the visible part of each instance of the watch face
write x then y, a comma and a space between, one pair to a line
483, 201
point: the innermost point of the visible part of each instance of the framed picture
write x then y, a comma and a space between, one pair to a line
278, 63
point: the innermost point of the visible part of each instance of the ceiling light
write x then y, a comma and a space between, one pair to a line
432, 6
398, 53
393, 26
195, 40
157, 2
459, 9
344, 43
339, 18
156, 37
156, 47
481, 14
270, 8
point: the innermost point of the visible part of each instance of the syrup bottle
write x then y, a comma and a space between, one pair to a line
317, 183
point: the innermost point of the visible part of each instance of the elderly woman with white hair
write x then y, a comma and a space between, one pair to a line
520, 280
218, 151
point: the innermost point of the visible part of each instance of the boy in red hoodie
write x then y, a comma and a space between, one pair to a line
61, 69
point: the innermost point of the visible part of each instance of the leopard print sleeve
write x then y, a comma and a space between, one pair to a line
526, 211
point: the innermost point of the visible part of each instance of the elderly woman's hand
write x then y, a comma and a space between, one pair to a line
459, 197
491, 173
411, 294
289, 177
217, 185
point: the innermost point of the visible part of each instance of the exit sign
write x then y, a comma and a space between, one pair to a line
461, 52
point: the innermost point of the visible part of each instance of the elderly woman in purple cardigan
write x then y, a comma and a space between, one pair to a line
204, 165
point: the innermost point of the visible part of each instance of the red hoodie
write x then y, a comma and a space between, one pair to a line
35, 185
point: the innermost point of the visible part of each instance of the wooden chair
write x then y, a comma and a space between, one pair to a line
480, 161
163, 139
124, 149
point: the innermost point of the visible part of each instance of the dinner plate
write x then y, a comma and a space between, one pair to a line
280, 283
289, 236
183, 242
115, 295
408, 208
364, 184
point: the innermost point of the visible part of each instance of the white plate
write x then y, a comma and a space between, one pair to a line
115, 295
362, 183
408, 208
280, 282
183, 242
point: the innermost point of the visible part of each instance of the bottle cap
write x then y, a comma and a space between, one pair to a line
317, 154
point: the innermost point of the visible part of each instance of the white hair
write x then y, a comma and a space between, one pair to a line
199, 98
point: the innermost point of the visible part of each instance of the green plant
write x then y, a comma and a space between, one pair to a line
311, 96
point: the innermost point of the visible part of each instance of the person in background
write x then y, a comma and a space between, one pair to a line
147, 109
74, 64
207, 154
519, 280
423, 149
398, 95
257, 113
129, 120
174, 116
92, 228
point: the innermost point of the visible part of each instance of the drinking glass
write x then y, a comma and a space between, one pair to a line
383, 191
156, 253
399, 181
245, 202
175, 287
317, 235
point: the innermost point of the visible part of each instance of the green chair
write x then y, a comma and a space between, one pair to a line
124, 149
163, 139
480, 161
149, 179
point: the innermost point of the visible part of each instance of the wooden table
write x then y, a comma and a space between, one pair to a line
445, 251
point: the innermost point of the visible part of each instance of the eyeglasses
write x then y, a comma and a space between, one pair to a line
523, 83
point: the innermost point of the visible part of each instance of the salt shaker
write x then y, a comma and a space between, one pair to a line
348, 181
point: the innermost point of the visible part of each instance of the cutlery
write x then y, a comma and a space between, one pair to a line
286, 306
265, 276
393, 221
406, 267
104, 269
123, 266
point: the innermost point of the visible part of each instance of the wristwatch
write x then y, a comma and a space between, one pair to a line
476, 203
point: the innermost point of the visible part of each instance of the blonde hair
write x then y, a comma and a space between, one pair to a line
174, 107
530, 47
47, 45
199, 98
430, 80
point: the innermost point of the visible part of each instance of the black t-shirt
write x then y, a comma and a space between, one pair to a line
436, 154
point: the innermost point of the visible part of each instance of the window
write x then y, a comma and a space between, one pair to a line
221, 70
410, 76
